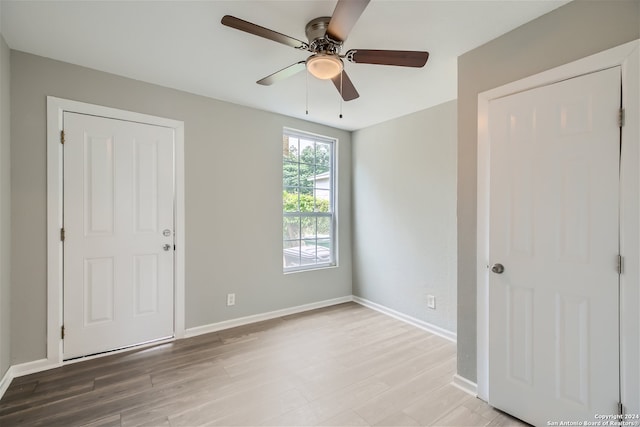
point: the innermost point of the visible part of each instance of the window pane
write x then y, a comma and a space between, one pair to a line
307, 202
325, 243
323, 157
324, 227
307, 153
291, 227
290, 200
322, 192
290, 148
306, 183
291, 255
290, 174
322, 205
308, 228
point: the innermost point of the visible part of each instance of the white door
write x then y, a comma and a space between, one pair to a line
553, 312
118, 221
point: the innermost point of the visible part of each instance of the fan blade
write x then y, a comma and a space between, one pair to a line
348, 91
344, 18
403, 58
248, 27
283, 74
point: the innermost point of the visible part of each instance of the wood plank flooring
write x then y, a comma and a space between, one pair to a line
344, 365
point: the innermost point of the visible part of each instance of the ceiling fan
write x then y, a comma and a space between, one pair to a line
326, 36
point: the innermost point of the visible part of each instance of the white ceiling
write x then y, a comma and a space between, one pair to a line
182, 45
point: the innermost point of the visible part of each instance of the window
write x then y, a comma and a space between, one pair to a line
308, 201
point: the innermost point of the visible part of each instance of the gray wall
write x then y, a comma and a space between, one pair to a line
404, 214
5, 210
573, 31
233, 162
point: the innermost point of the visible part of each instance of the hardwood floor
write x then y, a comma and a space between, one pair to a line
344, 365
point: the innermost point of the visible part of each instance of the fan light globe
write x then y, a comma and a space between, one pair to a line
323, 66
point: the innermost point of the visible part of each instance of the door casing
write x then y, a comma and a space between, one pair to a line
55, 110
627, 56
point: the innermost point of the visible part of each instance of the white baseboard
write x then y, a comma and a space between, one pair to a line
32, 367
465, 385
5, 382
22, 369
436, 330
227, 324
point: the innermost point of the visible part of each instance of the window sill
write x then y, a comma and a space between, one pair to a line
316, 267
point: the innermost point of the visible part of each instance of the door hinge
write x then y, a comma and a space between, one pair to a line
62, 234
620, 409
62, 332
62, 137
620, 264
621, 117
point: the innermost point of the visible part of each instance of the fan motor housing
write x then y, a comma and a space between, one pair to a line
316, 31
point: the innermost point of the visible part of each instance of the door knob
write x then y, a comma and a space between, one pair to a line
166, 247
497, 268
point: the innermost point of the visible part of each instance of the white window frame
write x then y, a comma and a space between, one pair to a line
333, 213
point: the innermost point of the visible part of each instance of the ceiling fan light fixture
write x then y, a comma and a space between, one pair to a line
323, 66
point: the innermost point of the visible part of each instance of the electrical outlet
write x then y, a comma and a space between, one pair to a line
231, 299
431, 302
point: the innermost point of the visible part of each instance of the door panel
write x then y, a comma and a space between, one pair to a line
98, 168
118, 259
520, 334
98, 290
572, 316
146, 284
553, 323
146, 186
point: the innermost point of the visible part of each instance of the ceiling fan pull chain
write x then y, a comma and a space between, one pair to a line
306, 84
341, 74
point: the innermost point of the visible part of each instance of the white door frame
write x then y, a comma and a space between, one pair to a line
627, 56
55, 110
